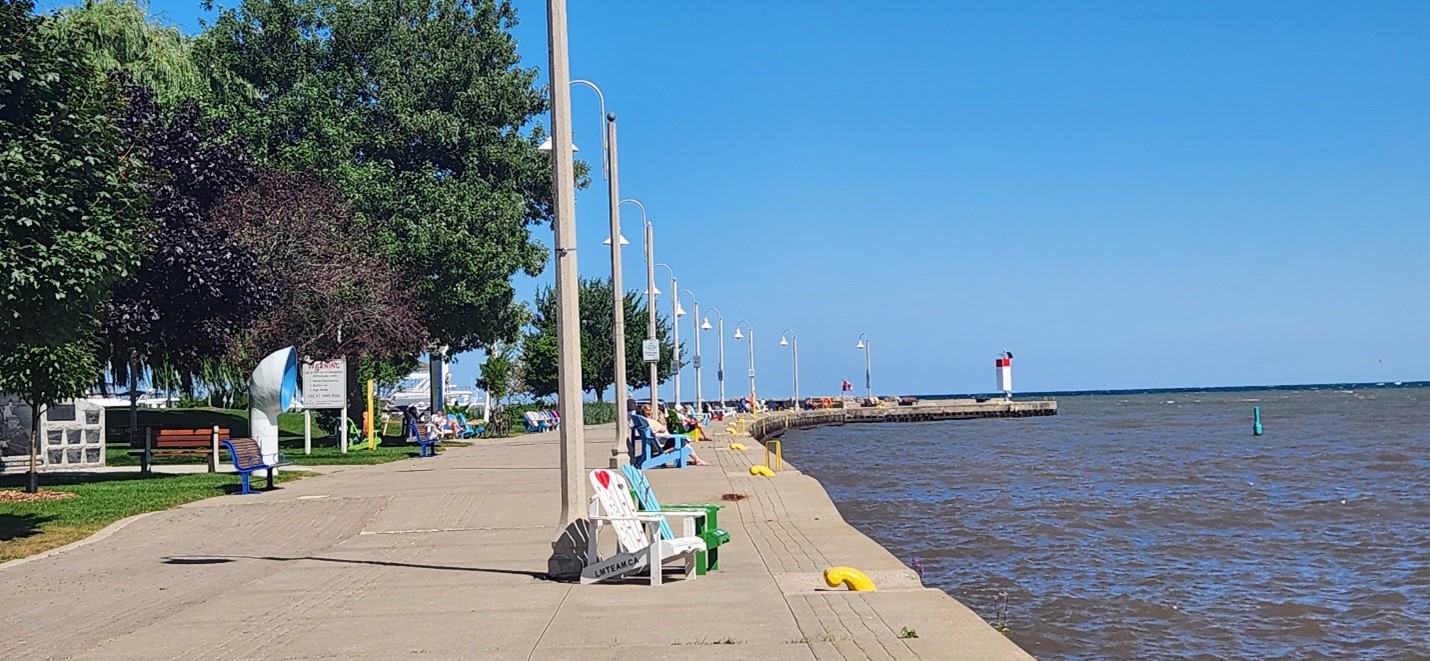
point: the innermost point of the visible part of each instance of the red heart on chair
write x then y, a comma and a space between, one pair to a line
604, 478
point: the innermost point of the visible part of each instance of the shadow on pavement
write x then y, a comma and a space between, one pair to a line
198, 560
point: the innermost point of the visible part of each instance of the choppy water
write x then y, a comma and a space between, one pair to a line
1156, 526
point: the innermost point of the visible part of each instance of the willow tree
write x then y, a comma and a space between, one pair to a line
121, 35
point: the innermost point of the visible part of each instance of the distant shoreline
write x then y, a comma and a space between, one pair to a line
1154, 391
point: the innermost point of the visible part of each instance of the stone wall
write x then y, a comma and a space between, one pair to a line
71, 436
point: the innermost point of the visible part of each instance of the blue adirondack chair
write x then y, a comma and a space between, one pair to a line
535, 421
469, 429
651, 452
705, 528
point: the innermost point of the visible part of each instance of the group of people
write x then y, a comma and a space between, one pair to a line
443, 424
680, 422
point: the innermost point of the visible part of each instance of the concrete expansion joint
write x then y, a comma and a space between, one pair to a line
419, 531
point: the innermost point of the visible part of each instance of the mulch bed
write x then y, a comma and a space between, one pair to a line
19, 496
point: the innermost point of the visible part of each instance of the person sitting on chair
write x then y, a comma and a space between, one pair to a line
662, 434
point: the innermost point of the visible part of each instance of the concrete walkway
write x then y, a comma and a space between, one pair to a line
444, 559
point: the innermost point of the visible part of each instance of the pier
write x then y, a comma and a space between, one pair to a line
773, 425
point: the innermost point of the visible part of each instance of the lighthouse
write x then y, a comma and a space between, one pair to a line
1004, 368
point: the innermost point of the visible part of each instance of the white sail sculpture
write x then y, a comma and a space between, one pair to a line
271, 391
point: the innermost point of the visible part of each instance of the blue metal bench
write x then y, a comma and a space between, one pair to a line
247, 459
426, 444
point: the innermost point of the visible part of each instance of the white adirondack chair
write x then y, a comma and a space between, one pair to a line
637, 534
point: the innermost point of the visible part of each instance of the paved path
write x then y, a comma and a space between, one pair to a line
444, 559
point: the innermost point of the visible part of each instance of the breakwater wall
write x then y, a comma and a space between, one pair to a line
775, 424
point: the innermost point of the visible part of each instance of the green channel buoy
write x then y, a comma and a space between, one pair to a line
1256, 421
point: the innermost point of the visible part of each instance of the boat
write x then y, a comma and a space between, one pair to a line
416, 390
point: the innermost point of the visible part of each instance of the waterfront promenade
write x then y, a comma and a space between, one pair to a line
444, 558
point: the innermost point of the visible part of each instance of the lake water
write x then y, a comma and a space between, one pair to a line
1157, 526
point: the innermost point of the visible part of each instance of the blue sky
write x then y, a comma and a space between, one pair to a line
1123, 194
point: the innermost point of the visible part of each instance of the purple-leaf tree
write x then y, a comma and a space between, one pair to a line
198, 287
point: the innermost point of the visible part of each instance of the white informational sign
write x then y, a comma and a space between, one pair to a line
325, 384
650, 350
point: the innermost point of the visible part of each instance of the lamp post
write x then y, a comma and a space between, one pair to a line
676, 312
565, 552
720, 366
738, 336
795, 346
610, 167
694, 323
650, 292
864, 346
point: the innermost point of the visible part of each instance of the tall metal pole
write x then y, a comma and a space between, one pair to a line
675, 335
864, 344
752, 367
751, 339
720, 371
695, 324
650, 310
618, 298
675, 330
568, 316
720, 340
794, 346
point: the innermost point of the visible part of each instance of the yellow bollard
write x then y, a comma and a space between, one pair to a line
851, 578
738, 447
779, 462
762, 470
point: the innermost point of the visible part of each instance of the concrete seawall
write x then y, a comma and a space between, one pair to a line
773, 425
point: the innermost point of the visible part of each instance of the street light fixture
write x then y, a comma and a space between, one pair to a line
610, 171
675, 314
699, 396
651, 293
720, 367
864, 346
738, 336
795, 346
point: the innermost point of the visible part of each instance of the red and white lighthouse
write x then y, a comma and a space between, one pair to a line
1004, 367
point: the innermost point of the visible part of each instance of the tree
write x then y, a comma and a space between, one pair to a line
333, 300
199, 288
501, 372
118, 35
415, 110
297, 225
69, 214
597, 357
70, 207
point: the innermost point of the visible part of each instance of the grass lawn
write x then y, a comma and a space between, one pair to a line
290, 437
102, 499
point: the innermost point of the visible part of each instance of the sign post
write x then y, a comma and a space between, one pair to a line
325, 387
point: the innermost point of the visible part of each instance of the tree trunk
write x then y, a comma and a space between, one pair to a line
33, 486
357, 394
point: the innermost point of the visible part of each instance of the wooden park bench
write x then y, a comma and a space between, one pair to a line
247, 459
150, 442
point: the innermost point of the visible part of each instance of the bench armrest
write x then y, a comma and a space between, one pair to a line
655, 516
